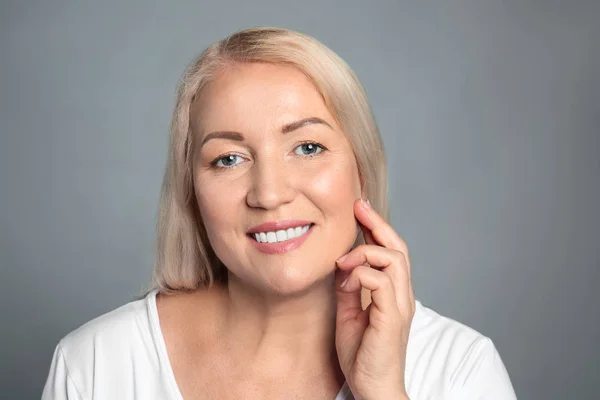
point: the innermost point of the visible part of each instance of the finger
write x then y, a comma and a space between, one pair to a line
380, 284
381, 231
350, 302
375, 256
368, 239
367, 235
389, 261
370, 220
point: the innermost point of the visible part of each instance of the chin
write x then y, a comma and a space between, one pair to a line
294, 281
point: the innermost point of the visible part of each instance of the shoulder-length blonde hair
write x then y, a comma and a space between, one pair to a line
184, 258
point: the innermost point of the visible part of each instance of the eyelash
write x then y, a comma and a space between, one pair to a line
213, 164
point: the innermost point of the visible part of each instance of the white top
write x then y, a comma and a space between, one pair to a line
122, 355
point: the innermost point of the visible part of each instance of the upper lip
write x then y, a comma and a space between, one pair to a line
273, 226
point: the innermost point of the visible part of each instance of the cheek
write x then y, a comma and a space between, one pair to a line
334, 190
217, 202
337, 182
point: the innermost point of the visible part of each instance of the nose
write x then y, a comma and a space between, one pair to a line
271, 185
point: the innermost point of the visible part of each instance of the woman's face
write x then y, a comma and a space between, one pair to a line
269, 152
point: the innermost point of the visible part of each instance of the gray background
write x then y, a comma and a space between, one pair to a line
490, 112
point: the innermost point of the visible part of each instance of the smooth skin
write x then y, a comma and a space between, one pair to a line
272, 331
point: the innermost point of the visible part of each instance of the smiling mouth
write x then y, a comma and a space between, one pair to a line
280, 236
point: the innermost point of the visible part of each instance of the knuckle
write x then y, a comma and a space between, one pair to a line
400, 256
359, 251
403, 248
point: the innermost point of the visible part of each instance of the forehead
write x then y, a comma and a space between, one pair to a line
254, 95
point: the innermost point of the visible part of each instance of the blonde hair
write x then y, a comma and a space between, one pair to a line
184, 258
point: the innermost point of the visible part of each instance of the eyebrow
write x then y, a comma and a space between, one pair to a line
238, 137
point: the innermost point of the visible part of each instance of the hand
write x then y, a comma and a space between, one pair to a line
371, 344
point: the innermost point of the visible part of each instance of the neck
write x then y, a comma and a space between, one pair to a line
280, 333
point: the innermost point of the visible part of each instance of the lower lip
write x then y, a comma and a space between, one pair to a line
281, 247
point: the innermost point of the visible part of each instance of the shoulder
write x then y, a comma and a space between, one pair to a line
111, 343
117, 354
109, 331
446, 354
431, 328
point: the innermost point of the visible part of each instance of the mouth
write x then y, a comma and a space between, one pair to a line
281, 235
281, 240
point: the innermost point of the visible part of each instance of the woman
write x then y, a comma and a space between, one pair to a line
265, 242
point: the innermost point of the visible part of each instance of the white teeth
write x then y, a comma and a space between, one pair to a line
281, 235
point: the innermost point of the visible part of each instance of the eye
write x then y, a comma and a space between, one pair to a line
227, 161
309, 149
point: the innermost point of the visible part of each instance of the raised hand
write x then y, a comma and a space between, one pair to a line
371, 344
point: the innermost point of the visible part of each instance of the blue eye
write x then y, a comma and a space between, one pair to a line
309, 149
226, 162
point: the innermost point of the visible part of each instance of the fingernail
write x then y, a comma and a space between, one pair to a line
366, 203
344, 282
342, 258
